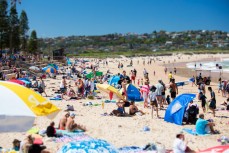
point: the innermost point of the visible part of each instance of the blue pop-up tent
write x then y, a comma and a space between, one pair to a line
114, 80
175, 111
133, 93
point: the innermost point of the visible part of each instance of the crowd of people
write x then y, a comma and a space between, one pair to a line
154, 97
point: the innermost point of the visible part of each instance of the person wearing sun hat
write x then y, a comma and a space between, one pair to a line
71, 126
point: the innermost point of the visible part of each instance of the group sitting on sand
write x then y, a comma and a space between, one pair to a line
67, 123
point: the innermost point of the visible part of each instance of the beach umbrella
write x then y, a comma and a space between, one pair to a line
88, 146
26, 82
34, 68
110, 90
216, 149
20, 106
49, 69
53, 65
20, 82
26, 79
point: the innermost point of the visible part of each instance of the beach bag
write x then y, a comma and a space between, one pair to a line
227, 87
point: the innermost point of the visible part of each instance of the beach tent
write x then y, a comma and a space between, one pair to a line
20, 106
176, 109
114, 80
91, 74
133, 93
91, 145
54, 66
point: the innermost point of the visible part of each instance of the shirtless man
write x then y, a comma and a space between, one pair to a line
124, 88
174, 89
63, 121
72, 126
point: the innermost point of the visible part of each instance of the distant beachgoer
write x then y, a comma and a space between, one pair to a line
138, 82
42, 85
145, 89
220, 86
153, 101
159, 90
154, 73
212, 105
165, 69
203, 98
170, 76
133, 76
175, 70
63, 87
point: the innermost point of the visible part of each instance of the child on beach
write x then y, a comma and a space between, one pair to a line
168, 100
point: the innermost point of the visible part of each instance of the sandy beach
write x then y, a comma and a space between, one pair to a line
127, 131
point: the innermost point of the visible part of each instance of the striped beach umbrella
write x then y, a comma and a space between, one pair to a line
49, 69
20, 106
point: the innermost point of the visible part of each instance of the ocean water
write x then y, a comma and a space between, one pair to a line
211, 65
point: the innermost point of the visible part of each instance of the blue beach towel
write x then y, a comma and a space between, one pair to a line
193, 132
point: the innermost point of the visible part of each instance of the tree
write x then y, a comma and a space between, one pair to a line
4, 31
14, 29
33, 45
24, 28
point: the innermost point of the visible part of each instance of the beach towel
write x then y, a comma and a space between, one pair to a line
66, 133
193, 132
110, 101
55, 98
66, 139
33, 130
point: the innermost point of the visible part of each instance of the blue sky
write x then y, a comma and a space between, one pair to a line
51, 18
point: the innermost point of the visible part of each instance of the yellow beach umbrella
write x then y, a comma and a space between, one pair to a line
20, 106
109, 89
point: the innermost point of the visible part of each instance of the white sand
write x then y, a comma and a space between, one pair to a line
126, 131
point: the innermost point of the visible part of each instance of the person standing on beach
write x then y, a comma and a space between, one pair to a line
173, 89
145, 92
159, 90
170, 76
212, 105
175, 70
165, 69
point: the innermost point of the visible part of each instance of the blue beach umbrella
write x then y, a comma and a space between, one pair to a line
86, 146
49, 69
54, 66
